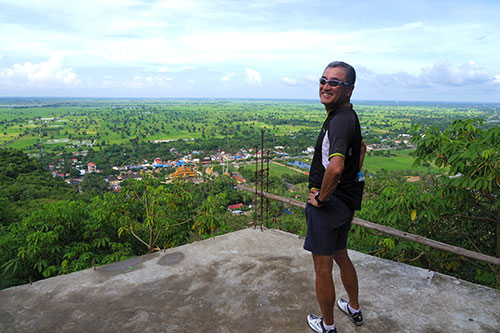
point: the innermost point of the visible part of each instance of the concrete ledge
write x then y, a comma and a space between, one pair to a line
245, 281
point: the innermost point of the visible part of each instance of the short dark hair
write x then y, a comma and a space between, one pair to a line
350, 72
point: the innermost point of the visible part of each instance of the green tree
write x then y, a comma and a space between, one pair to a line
26, 184
209, 217
94, 184
7, 215
155, 214
418, 208
62, 237
74, 173
472, 189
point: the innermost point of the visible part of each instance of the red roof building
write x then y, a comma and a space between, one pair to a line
239, 179
235, 206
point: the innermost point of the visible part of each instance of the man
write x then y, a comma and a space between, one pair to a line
334, 194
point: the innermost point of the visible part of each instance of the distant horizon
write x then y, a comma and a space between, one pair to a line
312, 100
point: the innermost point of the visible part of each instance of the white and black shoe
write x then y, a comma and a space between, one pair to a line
356, 317
316, 324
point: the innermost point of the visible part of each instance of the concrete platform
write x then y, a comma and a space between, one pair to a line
245, 281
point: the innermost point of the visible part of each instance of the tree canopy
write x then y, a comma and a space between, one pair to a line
460, 207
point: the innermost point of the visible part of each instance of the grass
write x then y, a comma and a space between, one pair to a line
279, 171
402, 160
274, 169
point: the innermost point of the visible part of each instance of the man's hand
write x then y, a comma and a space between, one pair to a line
311, 199
330, 180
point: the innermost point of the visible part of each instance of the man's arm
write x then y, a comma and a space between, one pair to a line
362, 154
330, 181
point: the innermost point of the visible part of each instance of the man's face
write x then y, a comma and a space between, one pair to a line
335, 96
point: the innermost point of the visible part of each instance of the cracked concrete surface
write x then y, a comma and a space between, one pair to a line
245, 281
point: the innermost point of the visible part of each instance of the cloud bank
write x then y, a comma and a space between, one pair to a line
50, 72
441, 73
410, 48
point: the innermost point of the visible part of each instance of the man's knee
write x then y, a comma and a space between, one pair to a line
341, 257
322, 264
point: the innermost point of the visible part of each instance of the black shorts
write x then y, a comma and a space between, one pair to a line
327, 227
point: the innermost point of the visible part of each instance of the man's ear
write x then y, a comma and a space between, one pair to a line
351, 88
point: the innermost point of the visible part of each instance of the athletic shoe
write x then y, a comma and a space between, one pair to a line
356, 318
316, 324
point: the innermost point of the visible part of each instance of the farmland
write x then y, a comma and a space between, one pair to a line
51, 127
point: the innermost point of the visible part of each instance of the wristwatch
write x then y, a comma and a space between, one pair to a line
319, 201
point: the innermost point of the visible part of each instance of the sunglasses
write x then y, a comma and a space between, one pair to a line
333, 82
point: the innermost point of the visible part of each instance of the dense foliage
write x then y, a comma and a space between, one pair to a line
61, 236
25, 184
460, 208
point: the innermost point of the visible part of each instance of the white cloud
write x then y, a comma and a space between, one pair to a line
50, 72
253, 76
413, 25
289, 81
163, 69
136, 82
446, 73
441, 73
226, 77
400, 79
496, 78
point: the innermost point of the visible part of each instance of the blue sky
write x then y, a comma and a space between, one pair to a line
427, 50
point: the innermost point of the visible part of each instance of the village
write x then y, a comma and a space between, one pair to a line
195, 169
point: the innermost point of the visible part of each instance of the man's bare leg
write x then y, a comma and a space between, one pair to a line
325, 289
348, 276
